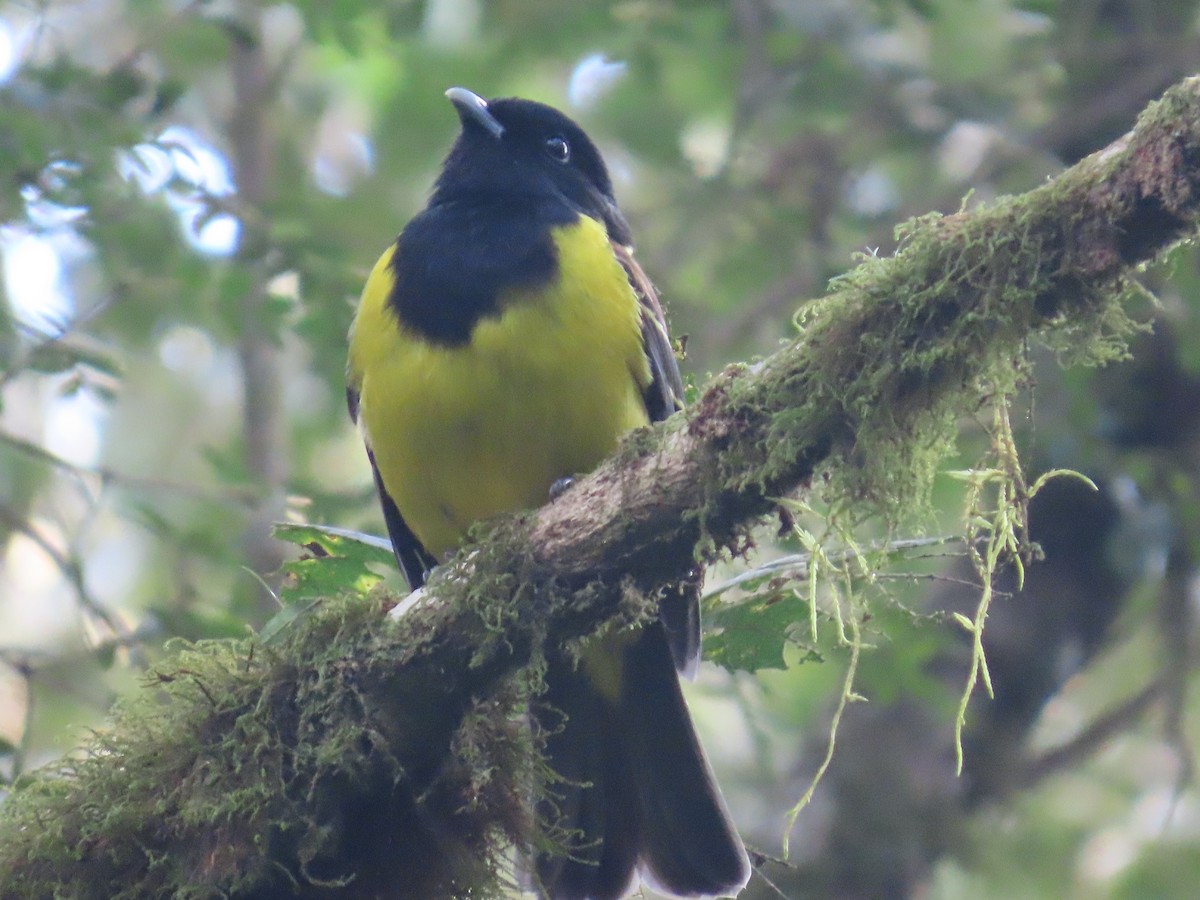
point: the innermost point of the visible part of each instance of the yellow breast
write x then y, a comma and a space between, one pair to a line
540, 392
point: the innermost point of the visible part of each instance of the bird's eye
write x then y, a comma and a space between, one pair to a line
558, 149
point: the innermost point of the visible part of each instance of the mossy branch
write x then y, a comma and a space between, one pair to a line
360, 757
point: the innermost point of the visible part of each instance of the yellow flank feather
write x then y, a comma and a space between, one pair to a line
542, 391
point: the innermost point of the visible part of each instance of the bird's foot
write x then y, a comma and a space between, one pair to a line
560, 487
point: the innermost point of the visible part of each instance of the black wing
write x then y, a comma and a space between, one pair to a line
679, 608
664, 395
414, 560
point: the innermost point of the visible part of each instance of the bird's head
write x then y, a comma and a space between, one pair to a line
526, 152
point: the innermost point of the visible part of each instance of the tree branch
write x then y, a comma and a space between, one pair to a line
264, 425
360, 757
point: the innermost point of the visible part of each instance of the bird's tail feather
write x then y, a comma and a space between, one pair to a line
637, 796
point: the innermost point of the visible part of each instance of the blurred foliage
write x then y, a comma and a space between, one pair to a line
185, 184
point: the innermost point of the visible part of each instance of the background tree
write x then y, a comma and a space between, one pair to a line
192, 195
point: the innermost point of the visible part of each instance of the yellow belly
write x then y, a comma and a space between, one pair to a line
543, 391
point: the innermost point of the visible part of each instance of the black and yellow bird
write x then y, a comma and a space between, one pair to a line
505, 341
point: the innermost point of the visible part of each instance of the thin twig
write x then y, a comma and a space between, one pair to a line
107, 475
760, 859
68, 567
1091, 739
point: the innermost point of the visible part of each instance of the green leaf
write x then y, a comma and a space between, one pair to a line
753, 634
152, 519
335, 560
227, 464
106, 655
57, 356
52, 358
966, 623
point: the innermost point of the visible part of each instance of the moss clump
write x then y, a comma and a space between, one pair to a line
247, 770
902, 347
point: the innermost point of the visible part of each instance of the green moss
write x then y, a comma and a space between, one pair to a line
253, 771
886, 364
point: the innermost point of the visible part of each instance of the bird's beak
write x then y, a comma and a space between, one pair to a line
474, 109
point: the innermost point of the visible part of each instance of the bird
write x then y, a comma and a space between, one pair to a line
505, 342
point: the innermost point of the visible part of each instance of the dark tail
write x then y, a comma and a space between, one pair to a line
638, 797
